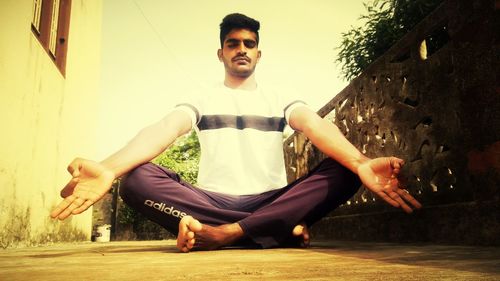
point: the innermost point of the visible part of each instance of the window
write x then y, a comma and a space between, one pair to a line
50, 24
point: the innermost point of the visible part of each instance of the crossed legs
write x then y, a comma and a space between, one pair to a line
204, 220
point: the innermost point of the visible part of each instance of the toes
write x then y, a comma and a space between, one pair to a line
183, 234
190, 243
306, 236
185, 221
180, 245
188, 226
302, 230
298, 230
194, 225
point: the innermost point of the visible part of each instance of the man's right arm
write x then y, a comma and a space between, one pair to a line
92, 180
148, 143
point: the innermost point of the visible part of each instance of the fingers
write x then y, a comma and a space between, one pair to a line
388, 199
396, 164
61, 207
83, 207
381, 175
408, 198
403, 196
402, 204
71, 205
74, 167
69, 210
395, 200
399, 198
66, 207
69, 188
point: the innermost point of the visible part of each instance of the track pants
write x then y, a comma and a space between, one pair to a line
267, 219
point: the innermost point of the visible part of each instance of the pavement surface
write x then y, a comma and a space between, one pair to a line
160, 260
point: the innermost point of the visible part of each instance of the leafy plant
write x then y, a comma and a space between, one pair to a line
386, 22
182, 157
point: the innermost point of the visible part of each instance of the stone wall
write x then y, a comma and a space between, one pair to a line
434, 100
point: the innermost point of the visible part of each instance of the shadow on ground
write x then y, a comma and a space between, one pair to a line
332, 260
476, 259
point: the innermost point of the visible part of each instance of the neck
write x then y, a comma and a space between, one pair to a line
242, 83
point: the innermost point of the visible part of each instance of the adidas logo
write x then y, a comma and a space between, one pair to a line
165, 209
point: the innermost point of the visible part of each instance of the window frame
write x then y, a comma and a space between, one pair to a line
43, 32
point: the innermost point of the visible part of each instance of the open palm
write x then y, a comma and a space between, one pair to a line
380, 176
90, 182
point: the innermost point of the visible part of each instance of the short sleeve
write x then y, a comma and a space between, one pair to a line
191, 105
290, 107
191, 111
291, 100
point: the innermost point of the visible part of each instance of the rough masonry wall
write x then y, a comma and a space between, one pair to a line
434, 100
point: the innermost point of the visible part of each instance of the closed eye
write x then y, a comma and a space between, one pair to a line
250, 44
233, 43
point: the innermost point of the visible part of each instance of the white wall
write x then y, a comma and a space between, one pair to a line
45, 121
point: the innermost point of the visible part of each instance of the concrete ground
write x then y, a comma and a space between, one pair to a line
159, 260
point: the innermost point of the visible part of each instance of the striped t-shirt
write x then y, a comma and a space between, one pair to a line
241, 138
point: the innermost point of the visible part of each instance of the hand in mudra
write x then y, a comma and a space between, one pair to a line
380, 176
90, 182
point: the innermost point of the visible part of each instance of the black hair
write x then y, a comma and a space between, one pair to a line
237, 20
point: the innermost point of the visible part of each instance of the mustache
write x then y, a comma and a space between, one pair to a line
241, 57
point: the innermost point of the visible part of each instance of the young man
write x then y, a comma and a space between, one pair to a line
242, 198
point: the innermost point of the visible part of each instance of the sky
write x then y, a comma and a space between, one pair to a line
155, 51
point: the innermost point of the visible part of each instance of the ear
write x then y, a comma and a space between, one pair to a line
219, 54
259, 54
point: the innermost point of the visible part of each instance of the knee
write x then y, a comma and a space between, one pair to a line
351, 185
136, 180
341, 179
351, 181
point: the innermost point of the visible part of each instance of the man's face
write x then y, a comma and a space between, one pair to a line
239, 52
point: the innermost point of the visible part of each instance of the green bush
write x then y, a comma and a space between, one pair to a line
182, 157
386, 22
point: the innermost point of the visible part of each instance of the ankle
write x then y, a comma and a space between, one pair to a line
232, 231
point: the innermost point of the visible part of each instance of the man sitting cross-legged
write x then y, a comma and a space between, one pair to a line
242, 197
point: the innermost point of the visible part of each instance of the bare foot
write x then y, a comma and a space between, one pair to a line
188, 226
302, 230
197, 236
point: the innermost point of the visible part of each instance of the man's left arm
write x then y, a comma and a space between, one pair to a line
378, 174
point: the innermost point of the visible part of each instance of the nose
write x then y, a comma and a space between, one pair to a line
242, 49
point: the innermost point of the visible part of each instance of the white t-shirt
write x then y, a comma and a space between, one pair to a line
241, 138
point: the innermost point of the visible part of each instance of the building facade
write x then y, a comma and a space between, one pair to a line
49, 73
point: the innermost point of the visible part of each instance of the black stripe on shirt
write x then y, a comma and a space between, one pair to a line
267, 124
